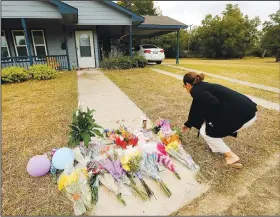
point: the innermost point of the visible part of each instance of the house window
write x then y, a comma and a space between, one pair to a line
85, 48
20, 44
39, 42
4, 47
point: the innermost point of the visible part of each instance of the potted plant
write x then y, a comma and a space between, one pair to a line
83, 127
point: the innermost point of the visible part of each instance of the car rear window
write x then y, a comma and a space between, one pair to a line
149, 46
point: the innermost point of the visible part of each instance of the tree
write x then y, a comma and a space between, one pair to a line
141, 7
271, 38
231, 35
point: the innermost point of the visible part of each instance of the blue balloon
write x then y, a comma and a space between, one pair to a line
63, 157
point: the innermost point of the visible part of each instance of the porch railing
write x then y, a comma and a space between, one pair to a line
58, 62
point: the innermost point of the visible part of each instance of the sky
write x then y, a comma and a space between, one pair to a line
193, 12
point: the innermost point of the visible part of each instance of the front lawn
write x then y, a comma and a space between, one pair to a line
163, 96
35, 118
261, 71
267, 95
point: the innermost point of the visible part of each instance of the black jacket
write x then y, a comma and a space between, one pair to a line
224, 110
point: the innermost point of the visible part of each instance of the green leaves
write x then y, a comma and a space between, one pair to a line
83, 127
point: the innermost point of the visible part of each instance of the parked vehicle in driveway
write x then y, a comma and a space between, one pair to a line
150, 52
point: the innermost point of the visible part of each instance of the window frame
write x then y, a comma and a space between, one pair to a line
34, 45
9, 53
15, 46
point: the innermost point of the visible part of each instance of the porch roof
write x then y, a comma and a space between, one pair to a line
157, 25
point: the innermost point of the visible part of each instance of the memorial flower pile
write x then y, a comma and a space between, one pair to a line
117, 159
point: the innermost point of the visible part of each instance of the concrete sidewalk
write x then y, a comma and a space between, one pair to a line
258, 101
96, 91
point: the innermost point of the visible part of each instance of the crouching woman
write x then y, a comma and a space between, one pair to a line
217, 112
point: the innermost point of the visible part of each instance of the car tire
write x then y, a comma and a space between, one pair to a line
158, 62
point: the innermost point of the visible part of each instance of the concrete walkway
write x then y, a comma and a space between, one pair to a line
259, 101
96, 91
246, 83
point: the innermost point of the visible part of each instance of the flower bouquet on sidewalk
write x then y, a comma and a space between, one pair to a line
122, 137
164, 159
173, 145
149, 167
113, 165
74, 182
176, 150
131, 164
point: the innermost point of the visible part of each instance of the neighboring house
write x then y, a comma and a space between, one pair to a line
72, 34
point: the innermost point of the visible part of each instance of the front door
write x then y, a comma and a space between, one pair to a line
85, 49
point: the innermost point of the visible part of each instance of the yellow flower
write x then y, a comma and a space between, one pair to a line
173, 146
62, 182
126, 167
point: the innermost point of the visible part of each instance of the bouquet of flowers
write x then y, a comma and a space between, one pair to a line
122, 137
163, 158
149, 168
131, 164
176, 150
171, 140
113, 165
108, 181
94, 185
74, 182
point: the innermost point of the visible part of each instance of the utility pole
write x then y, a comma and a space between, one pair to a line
189, 37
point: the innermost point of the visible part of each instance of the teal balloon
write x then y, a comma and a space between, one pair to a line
63, 157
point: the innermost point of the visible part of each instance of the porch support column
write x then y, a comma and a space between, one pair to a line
177, 48
27, 41
130, 40
66, 47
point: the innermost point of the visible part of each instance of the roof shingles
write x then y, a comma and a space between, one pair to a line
161, 20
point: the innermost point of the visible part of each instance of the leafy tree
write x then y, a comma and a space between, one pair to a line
228, 36
141, 7
271, 38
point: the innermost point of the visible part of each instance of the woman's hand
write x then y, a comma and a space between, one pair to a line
185, 129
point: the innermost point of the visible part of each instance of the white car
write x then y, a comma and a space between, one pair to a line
151, 53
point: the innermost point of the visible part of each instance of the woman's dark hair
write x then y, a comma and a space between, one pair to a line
193, 78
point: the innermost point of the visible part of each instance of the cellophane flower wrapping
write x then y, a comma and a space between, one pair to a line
109, 182
164, 159
149, 167
75, 184
132, 163
122, 137
176, 150
94, 185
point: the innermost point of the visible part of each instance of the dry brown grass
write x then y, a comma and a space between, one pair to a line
261, 71
35, 116
163, 96
267, 95
262, 199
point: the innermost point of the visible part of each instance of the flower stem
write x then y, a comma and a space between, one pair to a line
119, 197
177, 175
165, 188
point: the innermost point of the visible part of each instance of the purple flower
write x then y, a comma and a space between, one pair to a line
113, 167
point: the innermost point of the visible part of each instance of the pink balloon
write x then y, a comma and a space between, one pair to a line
38, 165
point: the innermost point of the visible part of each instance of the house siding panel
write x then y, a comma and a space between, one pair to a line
29, 9
98, 13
